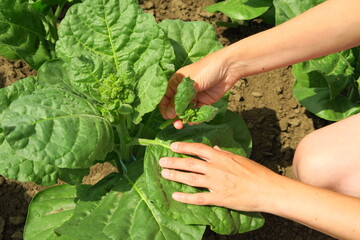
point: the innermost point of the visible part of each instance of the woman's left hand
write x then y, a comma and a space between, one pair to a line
233, 181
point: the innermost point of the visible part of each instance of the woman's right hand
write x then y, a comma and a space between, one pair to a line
212, 80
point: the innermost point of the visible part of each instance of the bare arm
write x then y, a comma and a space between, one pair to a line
248, 186
327, 28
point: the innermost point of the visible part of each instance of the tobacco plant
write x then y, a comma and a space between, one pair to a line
239, 11
97, 102
326, 86
29, 29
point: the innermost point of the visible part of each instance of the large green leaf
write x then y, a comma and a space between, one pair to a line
2, 137
191, 40
56, 127
116, 31
321, 83
53, 74
118, 208
18, 168
87, 73
221, 220
287, 9
317, 101
325, 86
19, 88
23, 34
204, 133
241, 132
241, 9
49, 209
8, 53
22, 169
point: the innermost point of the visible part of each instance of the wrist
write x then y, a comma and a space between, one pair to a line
275, 196
234, 66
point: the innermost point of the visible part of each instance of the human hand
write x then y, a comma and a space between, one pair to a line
233, 181
212, 80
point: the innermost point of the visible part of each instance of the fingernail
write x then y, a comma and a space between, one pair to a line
165, 173
176, 196
162, 161
174, 146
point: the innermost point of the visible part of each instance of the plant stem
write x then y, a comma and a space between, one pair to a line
146, 142
124, 148
167, 123
58, 12
353, 92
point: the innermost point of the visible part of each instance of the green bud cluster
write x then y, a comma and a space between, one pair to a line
116, 94
204, 114
190, 115
117, 88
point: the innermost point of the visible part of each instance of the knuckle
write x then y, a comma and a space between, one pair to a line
200, 199
193, 179
191, 162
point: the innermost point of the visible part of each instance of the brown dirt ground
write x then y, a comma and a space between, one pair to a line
276, 120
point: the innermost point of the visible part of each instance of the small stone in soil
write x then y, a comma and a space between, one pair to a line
257, 94
279, 90
283, 124
294, 122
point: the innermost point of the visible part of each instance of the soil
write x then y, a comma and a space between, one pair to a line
265, 101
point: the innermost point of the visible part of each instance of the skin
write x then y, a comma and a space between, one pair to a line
328, 201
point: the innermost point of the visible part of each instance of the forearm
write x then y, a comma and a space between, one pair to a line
327, 28
329, 212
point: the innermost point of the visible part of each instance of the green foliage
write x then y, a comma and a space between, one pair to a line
184, 106
23, 34
190, 41
97, 102
49, 209
45, 5
117, 93
241, 10
28, 29
225, 221
327, 86
287, 9
204, 114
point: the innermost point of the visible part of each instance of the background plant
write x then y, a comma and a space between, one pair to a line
28, 29
97, 102
327, 86
240, 11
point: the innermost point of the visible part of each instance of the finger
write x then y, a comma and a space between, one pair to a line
191, 179
194, 198
187, 164
196, 149
219, 149
163, 106
167, 109
196, 123
166, 105
178, 124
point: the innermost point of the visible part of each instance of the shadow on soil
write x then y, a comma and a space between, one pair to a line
266, 134
14, 201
